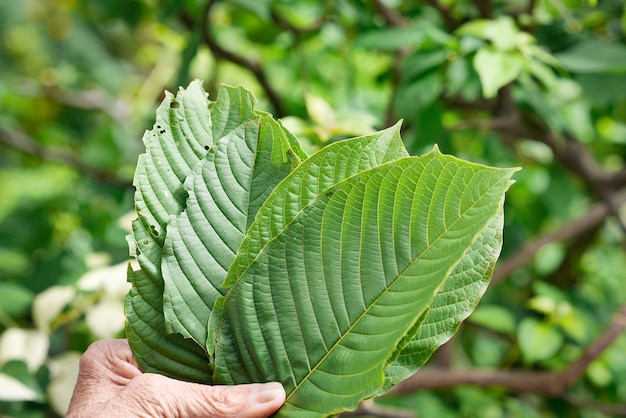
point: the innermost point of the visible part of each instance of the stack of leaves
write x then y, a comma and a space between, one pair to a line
336, 274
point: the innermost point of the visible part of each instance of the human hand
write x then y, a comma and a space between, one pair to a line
110, 384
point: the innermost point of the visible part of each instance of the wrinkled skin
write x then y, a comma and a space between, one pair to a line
110, 384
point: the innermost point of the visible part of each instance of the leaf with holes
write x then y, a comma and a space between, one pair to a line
242, 153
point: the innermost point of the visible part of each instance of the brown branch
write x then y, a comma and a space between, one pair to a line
369, 408
392, 18
91, 100
594, 217
297, 31
485, 8
579, 160
572, 154
27, 145
517, 381
450, 21
219, 52
597, 347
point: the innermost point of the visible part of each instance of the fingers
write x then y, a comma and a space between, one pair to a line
110, 360
160, 396
110, 384
247, 401
105, 369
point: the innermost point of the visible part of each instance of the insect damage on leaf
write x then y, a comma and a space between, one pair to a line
337, 274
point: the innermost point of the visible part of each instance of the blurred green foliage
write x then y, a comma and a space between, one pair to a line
537, 84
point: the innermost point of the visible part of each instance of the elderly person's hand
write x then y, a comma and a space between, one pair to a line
110, 384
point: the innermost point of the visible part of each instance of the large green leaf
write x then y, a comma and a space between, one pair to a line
174, 146
225, 192
325, 302
186, 128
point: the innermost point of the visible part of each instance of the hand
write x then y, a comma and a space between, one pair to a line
110, 384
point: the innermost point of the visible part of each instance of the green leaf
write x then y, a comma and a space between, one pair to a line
452, 304
187, 126
12, 390
594, 56
348, 275
15, 299
502, 32
496, 69
19, 371
225, 192
173, 148
260, 8
494, 317
538, 340
418, 94
155, 350
391, 38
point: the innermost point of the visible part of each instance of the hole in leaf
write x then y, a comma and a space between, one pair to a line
206, 147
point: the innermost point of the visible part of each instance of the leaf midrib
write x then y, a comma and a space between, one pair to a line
309, 204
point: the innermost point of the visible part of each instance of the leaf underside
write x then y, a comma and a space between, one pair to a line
336, 274
193, 140
348, 278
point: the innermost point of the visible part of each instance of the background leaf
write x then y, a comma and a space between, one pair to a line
496, 68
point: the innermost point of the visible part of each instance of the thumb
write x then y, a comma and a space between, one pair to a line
247, 401
190, 400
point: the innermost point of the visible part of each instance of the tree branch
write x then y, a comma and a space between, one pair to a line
392, 18
297, 31
595, 216
221, 53
485, 8
450, 21
572, 154
27, 145
517, 381
92, 100
369, 408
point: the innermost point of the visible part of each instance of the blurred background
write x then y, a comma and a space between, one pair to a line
536, 84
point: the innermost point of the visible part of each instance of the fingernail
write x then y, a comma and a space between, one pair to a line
267, 392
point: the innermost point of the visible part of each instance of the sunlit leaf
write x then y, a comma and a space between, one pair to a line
496, 69
12, 390
538, 340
